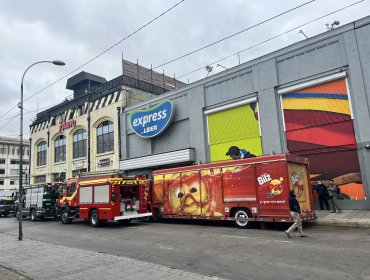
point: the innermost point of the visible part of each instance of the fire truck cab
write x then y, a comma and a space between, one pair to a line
102, 198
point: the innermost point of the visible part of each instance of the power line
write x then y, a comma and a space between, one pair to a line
274, 37
28, 112
232, 35
7, 112
237, 33
100, 54
108, 49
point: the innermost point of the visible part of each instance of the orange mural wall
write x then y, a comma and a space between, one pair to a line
319, 126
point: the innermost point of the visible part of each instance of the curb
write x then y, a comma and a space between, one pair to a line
11, 273
342, 224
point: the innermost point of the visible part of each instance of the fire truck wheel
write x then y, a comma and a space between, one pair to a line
94, 218
146, 219
64, 217
242, 213
33, 215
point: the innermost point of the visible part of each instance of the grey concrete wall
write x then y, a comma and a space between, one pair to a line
359, 64
343, 49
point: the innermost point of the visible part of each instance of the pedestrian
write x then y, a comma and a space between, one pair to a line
236, 153
322, 191
333, 195
295, 212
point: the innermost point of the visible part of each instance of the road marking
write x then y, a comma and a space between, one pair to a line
256, 238
164, 247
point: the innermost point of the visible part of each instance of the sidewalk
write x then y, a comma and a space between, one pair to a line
348, 218
10, 274
40, 260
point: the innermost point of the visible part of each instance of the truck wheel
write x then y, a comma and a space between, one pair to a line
64, 217
94, 218
242, 213
146, 219
33, 215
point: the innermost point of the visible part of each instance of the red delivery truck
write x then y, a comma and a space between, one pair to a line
245, 190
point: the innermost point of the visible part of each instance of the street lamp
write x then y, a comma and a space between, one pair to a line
20, 106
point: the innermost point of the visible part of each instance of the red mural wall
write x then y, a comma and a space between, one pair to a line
319, 126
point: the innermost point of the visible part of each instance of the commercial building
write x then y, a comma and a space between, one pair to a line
9, 163
83, 132
311, 99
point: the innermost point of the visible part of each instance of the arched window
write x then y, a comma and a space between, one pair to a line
79, 143
60, 149
105, 137
41, 153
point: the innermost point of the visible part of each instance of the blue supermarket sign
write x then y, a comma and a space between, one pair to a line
153, 121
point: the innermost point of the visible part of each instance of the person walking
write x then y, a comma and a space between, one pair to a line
322, 191
333, 195
295, 211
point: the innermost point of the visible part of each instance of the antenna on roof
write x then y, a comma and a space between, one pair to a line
219, 65
301, 31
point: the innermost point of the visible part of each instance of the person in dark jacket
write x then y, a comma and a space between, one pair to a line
235, 153
295, 211
333, 195
322, 191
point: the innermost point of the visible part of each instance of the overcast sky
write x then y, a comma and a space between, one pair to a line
77, 31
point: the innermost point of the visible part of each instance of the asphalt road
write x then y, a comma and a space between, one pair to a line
215, 249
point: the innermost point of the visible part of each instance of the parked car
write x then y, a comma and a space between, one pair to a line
6, 205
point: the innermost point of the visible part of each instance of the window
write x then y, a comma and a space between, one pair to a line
2, 171
41, 153
16, 161
319, 126
80, 110
79, 143
244, 132
105, 139
14, 171
12, 182
40, 179
60, 149
2, 160
1, 182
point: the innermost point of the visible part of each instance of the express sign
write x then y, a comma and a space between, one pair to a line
153, 121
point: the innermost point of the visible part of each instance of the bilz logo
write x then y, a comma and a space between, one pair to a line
263, 179
153, 121
274, 186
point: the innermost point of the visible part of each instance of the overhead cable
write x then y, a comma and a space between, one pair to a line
271, 38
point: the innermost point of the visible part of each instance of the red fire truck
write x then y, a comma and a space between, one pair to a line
245, 191
102, 198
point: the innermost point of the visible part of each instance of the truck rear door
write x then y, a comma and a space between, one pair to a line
298, 180
273, 190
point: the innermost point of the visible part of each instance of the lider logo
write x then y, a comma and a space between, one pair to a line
153, 121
